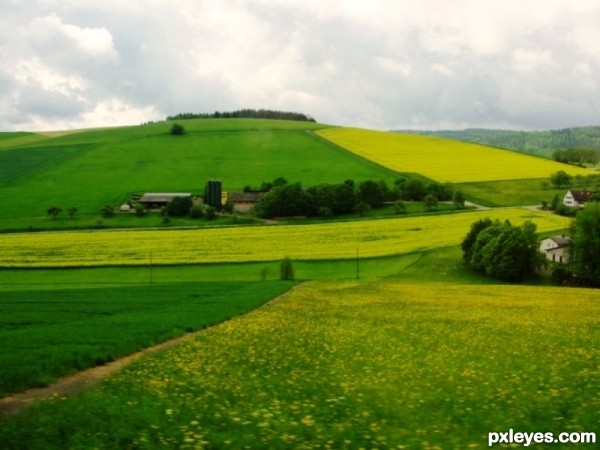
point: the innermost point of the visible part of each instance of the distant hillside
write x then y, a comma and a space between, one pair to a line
246, 114
541, 143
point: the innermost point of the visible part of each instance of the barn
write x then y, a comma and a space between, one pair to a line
159, 200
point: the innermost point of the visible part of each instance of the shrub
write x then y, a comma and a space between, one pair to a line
286, 269
177, 130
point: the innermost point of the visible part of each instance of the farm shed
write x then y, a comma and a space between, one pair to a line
556, 248
159, 200
575, 199
244, 201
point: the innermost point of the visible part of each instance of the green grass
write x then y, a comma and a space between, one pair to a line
351, 365
92, 168
53, 279
48, 333
510, 193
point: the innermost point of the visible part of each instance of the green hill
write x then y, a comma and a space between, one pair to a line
90, 168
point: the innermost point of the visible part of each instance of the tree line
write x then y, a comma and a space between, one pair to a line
285, 199
246, 114
542, 143
577, 156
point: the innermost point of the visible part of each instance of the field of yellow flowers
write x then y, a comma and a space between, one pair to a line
443, 160
323, 241
352, 365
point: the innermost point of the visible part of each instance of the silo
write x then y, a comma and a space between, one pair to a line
212, 194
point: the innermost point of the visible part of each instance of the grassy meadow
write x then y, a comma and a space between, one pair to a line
322, 241
45, 334
443, 160
350, 365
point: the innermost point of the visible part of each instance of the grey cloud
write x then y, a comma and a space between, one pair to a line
399, 66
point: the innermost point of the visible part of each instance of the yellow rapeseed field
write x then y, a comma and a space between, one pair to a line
443, 160
336, 240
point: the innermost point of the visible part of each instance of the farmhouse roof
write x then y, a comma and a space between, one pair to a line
163, 196
581, 196
246, 197
561, 241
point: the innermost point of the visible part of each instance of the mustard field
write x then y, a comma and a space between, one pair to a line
348, 366
443, 160
323, 241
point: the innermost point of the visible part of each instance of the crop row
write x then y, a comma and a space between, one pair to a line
441, 159
241, 244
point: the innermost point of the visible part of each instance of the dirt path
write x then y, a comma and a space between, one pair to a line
79, 381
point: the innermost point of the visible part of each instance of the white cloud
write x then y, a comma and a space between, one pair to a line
95, 42
382, 63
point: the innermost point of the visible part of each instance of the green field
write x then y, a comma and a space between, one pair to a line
351, 365
45, 334
89, 169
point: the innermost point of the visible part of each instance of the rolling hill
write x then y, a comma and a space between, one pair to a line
91, 168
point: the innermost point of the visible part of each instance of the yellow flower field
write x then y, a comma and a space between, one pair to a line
356, 365
443, 160
336, 240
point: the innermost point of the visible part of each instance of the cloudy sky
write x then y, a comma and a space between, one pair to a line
384, 64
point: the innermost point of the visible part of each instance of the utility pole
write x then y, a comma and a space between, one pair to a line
151, 274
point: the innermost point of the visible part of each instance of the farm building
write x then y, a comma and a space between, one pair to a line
577, 199
557, 248
159, 200
244, 201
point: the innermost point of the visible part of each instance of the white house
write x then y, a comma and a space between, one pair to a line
557, 248
576, 199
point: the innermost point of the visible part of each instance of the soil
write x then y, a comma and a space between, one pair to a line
84, 379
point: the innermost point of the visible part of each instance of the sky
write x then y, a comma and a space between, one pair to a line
381, 64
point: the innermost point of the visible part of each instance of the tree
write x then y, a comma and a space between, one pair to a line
443, 192
179, 206
469, 240
211, 213
554, 203
54, 211
284, 201
459, 199
430, 202
286, 269
177, 130
560, 179
501, 250
399, 207
373, 192
197, 212
72, 211
107, 211
414, 189
586, 242
139, 209
361, 208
